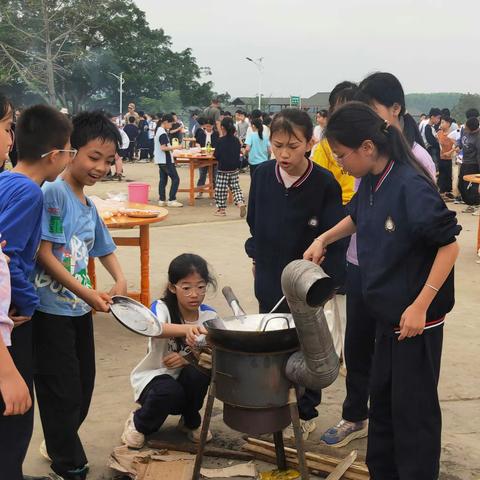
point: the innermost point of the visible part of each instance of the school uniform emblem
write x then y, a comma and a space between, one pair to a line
313, 222
389, 224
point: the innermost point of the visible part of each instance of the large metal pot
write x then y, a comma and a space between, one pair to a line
252, 380
259, 333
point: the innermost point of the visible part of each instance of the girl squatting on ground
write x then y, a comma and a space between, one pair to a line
406, 257
163, 382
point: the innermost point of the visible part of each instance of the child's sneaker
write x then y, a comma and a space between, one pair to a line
174, 204
469, 209
192, 434
306, 426
162, 203
131, 437
476, 212
344, 432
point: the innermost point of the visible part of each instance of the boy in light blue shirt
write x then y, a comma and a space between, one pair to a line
64, 353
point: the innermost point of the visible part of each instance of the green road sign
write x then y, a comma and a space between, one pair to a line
294, 101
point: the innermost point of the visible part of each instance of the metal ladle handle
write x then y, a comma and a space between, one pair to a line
232, 300
279, 316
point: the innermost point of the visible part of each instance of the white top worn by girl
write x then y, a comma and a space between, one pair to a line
152, 365
6, 324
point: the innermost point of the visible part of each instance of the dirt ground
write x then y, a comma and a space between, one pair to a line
220, 241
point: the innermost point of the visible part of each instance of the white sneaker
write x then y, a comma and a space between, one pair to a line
174, 204
43, 451
199, 196
131, 437
193, 435
162, 203
476, 212
306, 426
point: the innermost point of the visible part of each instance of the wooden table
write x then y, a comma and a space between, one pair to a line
475, 178
196, 161
142, 241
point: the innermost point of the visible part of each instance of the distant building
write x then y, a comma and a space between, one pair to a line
311, 104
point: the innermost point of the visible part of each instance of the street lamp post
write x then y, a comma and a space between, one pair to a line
120, 79
259, 64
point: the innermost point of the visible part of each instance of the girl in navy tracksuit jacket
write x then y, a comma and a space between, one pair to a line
406, 251
291, 202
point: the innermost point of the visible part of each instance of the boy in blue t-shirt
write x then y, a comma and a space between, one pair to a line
43, 150
64, 354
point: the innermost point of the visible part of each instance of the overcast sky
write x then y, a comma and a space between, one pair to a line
310, 45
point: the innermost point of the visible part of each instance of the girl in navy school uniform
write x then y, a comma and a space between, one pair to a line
164, 383
406, 256
291, 201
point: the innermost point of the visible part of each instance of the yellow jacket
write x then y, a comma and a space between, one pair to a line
323, 156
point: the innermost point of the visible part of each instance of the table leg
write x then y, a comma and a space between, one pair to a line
91, 272
210, 179
192, 183
145, 265
478, 238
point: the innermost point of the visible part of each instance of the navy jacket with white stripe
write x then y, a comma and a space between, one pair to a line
285, 221
401, 223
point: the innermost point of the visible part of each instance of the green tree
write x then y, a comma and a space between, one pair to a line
65, 51
466, 101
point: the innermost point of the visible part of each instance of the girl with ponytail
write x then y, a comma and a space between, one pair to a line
406, 239
384, 93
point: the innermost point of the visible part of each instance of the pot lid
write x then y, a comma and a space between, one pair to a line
135, 316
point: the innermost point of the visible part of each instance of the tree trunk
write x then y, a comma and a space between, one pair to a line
48, 57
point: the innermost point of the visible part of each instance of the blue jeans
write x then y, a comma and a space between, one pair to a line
166, 171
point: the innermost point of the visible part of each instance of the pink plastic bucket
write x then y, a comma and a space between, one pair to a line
138, 192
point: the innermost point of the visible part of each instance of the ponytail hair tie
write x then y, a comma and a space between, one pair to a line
385, 127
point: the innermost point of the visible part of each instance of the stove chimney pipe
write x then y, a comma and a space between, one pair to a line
307, 288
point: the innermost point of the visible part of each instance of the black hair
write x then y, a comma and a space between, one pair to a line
445, 112
141, 113
423, 115
323, 113
88, 126
240, 112
267, 119
435, 112
208, 121
333, 97
256, 113
131, 119
257, 123
173, 113
179, 268
228, 125
472, 124
39, 130
227, 113
386, 89
159, 115
201, 120
167, 117
6, 106
289, 119
472, 112
448, 119
355, 122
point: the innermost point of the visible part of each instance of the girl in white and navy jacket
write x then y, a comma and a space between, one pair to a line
164, 383
406, 243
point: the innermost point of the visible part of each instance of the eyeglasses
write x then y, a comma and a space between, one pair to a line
188, 290
340, 159
73, 152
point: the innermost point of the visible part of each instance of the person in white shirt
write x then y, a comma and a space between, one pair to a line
321, 119
164, 383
